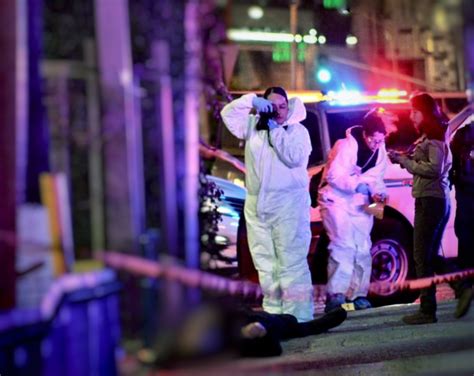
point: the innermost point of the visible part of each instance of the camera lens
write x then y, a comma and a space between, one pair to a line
264, 117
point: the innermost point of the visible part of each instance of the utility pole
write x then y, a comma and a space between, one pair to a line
38, 133
293, 29
193, 89
468, 12
96, 168
13, 133
161, 63
121, 127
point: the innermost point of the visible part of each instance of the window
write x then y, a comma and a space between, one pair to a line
401, 139
339, 122
312, 125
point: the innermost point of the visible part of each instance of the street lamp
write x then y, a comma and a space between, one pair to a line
293, 27
323, 75
255, 12
351, 40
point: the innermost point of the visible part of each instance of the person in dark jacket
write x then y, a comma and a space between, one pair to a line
462, 177
430, 164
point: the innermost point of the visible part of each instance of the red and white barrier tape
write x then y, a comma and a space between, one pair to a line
189, 277
208, 281
421, 283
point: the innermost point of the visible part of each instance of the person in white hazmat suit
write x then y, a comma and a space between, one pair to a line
277, 207
352, 179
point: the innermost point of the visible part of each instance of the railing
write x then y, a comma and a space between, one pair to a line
75, 331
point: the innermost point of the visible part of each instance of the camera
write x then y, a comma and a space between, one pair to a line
262, 123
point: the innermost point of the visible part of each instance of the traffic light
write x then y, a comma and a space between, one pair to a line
323, 71
323, 75
334, 4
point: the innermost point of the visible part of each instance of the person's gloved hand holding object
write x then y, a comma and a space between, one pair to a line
262, 104
272, 124
394, 156
379, 197
363, 188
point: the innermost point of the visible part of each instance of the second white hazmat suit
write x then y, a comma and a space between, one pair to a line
277, 207
348, 225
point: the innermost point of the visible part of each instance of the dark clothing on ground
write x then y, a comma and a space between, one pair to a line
283, 327
214, 330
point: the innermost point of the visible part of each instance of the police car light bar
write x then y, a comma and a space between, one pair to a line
352, 97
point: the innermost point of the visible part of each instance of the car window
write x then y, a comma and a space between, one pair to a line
312, 125
339, 122
229, 142
225, 170
454, 105
404, 135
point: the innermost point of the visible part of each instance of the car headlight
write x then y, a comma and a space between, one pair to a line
221, 240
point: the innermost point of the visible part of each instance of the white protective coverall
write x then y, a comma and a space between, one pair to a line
346, 223
277, 207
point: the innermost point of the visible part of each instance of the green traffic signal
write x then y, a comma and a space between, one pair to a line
334, 4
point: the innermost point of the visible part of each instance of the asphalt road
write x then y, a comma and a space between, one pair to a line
369, 342
377, 342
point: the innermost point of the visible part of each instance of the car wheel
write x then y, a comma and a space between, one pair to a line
392, 261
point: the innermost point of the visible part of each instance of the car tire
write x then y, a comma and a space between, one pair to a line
392, 260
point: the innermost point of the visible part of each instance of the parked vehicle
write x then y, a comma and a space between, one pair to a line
228, 175
392, 236
230, 207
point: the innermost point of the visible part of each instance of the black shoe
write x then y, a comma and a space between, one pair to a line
420, 318
464, 302
330, 320
334, 301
